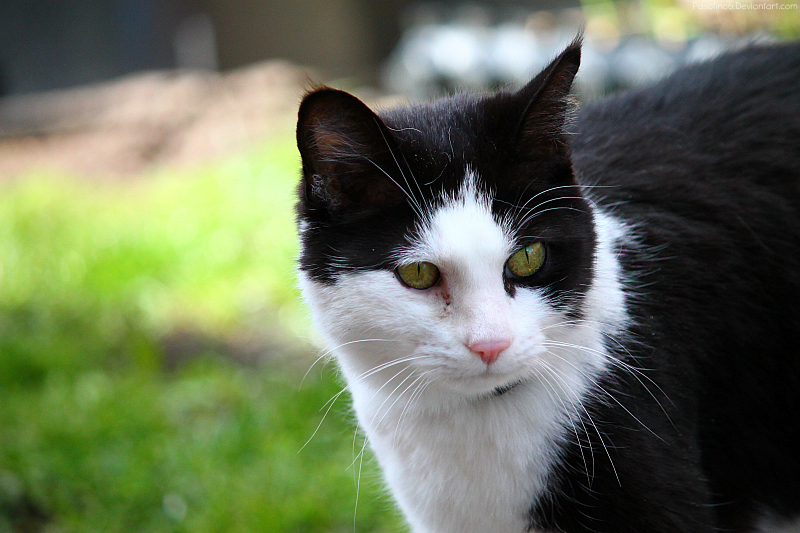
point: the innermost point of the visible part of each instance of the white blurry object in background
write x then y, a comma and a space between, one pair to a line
447, 50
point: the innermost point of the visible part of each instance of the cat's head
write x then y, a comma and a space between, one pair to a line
447, 240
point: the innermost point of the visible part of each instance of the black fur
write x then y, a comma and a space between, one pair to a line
705, 166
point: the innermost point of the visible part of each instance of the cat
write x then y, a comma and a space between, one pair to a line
561, 321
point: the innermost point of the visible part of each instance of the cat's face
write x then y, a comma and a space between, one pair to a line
446, 244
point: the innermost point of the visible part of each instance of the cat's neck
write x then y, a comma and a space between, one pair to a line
501, 449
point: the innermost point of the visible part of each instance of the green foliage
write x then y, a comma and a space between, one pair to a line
123, 263
99, 429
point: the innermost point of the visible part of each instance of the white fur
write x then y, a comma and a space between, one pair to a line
457, 458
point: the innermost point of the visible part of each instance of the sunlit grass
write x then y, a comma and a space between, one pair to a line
99, 429
212, 448
209, 246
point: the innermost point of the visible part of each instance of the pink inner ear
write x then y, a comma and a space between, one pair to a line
327, 142
332, 145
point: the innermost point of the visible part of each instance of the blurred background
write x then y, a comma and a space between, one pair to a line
157, 370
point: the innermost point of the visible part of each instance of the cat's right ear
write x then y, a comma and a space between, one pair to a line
541, 130
346, 153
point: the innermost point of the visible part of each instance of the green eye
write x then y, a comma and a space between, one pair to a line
419, 276
526, 261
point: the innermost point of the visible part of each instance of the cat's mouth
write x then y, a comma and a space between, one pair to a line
492, 386
501, 390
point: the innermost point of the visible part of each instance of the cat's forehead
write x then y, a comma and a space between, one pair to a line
460, 228
441, 140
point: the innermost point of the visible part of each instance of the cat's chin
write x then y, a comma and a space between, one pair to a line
486, 385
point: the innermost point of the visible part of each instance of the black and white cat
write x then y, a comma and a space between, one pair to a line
559, 325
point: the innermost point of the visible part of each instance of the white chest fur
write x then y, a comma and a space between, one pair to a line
475, 466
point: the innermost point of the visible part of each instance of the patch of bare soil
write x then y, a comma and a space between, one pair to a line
142, 121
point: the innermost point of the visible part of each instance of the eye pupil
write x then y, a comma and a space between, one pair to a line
421, 275
526, 261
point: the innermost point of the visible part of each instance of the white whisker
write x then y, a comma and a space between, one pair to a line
418, 391
386, 365
332, 401
388, 396
331, 350
569, 414
588, 416
604, 391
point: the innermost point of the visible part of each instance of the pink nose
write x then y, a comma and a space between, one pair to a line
489, 350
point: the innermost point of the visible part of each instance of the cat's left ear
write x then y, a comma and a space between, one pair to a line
548, 105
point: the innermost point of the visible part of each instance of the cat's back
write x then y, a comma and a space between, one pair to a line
707, 164
733, 119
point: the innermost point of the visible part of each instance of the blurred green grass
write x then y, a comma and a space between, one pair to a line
102, 427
